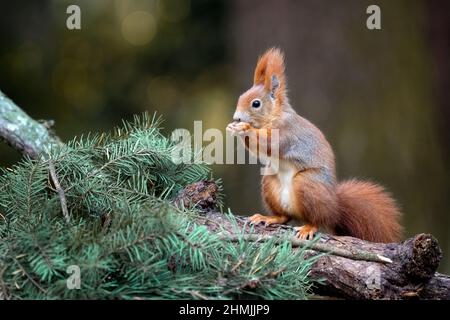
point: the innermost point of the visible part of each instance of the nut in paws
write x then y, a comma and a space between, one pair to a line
238, 128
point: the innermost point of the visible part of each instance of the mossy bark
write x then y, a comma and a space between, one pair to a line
17, 129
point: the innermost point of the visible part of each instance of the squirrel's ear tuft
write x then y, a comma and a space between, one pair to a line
270, 71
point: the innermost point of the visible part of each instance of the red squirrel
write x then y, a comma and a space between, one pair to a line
305, 186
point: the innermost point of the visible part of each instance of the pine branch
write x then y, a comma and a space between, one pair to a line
125, 232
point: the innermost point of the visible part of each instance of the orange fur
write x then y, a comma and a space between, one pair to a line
317, 201
276, 219
354, 208
258, 141
367, 211
306, 232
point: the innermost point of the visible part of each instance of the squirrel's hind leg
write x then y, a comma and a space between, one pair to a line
268, 220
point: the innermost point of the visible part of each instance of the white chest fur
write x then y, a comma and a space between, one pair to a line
285, 175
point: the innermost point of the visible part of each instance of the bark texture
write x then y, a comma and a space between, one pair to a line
21, 132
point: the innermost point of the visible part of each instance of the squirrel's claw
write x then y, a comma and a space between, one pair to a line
230, 127
306, 232
257, 219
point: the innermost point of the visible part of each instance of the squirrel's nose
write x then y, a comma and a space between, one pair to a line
237, 116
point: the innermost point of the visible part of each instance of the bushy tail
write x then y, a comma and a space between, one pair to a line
367, 212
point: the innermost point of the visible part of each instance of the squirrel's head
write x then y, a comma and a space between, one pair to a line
263, 102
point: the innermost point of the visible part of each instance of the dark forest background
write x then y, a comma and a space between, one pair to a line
381, 97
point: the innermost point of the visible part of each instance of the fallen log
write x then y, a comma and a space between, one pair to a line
351, 268
411, 274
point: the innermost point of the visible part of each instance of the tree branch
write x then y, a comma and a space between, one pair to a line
24, 134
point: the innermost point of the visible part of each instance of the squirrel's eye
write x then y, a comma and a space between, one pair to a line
256, 103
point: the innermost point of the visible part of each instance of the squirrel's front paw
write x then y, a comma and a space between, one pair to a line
238, 128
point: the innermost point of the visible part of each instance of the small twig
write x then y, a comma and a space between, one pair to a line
59, 189
4, 290
29, 277
237, 265
198, 295
50, 186
321, 247
193, 293
107, 222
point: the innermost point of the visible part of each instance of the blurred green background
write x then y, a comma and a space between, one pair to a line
381, 97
